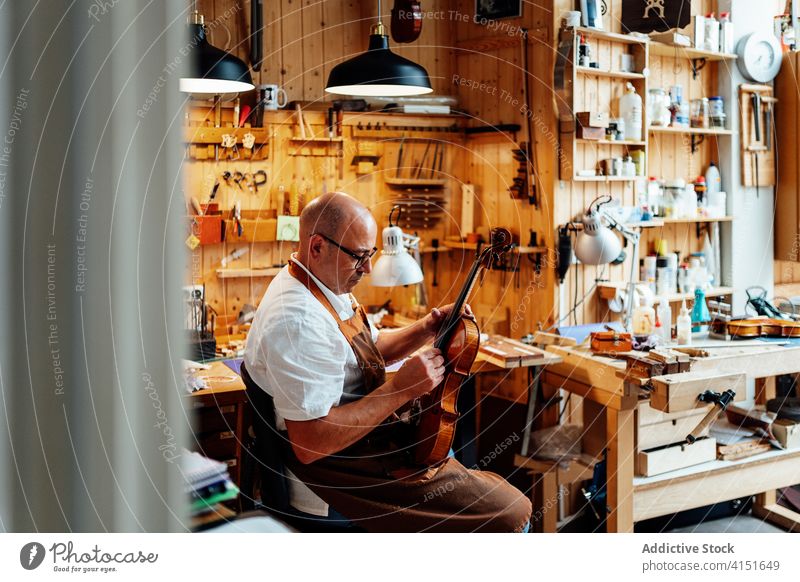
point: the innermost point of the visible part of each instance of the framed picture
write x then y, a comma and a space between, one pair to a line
655, 15
497, 9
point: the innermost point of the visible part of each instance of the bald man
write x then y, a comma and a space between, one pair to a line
348, 443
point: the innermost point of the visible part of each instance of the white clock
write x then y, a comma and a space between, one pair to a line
759, 57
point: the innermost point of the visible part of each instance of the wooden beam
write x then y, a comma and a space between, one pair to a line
724, 480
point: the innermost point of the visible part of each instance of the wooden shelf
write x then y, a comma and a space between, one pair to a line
666, 50
612, 36
316, 139
213, 135
605, 178
689, 130
415, 182
603, 142
610, 74
656, 222
608, 290
523, 250
247, 273
439, 249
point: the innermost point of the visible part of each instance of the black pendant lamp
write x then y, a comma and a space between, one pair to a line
378, 72
212, 70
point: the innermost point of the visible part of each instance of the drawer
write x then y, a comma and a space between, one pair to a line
663, 460
656, 429
210, 419
221, 445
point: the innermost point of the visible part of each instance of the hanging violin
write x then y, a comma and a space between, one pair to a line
406, 21
458, 340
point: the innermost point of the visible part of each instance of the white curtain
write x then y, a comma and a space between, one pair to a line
91, 417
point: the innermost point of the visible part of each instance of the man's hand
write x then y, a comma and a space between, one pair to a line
434, 320
420, 374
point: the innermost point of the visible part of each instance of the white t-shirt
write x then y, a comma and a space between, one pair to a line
297, 354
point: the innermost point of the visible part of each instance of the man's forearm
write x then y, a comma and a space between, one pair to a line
344, 425
395, 344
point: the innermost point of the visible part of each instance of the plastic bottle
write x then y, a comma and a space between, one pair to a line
664, 316
713, 181
725, 33
628, 167
630, 109
711, 33
700, 312
684, 327
644, 318
689, 202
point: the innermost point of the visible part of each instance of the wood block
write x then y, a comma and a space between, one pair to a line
743, 449
676, 392
253, 230
655, 462
508, 353
542, 338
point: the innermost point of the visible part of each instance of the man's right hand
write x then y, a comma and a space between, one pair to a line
420, 374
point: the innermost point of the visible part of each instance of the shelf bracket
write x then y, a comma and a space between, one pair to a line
697, 66
696, 141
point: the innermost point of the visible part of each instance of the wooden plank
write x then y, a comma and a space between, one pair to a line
787, 203
676, 392
312, 50
604, 397
723, 480
755, 363
677, 457
620, 469
292, 57
583, 366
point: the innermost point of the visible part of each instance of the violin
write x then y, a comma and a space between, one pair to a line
458, 340
406, 21
760, 327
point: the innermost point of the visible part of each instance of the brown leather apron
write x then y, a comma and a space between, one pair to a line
375, 483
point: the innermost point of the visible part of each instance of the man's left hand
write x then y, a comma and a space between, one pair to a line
437, 316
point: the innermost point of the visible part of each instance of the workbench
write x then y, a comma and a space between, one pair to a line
221, 417
630, 499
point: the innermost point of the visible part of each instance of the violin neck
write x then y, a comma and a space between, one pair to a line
454, 316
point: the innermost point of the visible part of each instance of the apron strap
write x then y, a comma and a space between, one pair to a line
351, 327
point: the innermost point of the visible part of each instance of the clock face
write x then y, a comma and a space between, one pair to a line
763, 56
759, 57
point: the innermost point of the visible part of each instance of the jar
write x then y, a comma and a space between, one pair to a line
619, 123
716, 106
628, 167
717, 121
700, 117
658, 107
673, 191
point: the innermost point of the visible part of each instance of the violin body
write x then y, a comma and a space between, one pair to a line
406, 21
458, 340
762, 327
437, 428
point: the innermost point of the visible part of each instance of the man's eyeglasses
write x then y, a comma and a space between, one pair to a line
360, 259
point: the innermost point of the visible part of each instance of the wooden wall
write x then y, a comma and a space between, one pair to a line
300, 48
